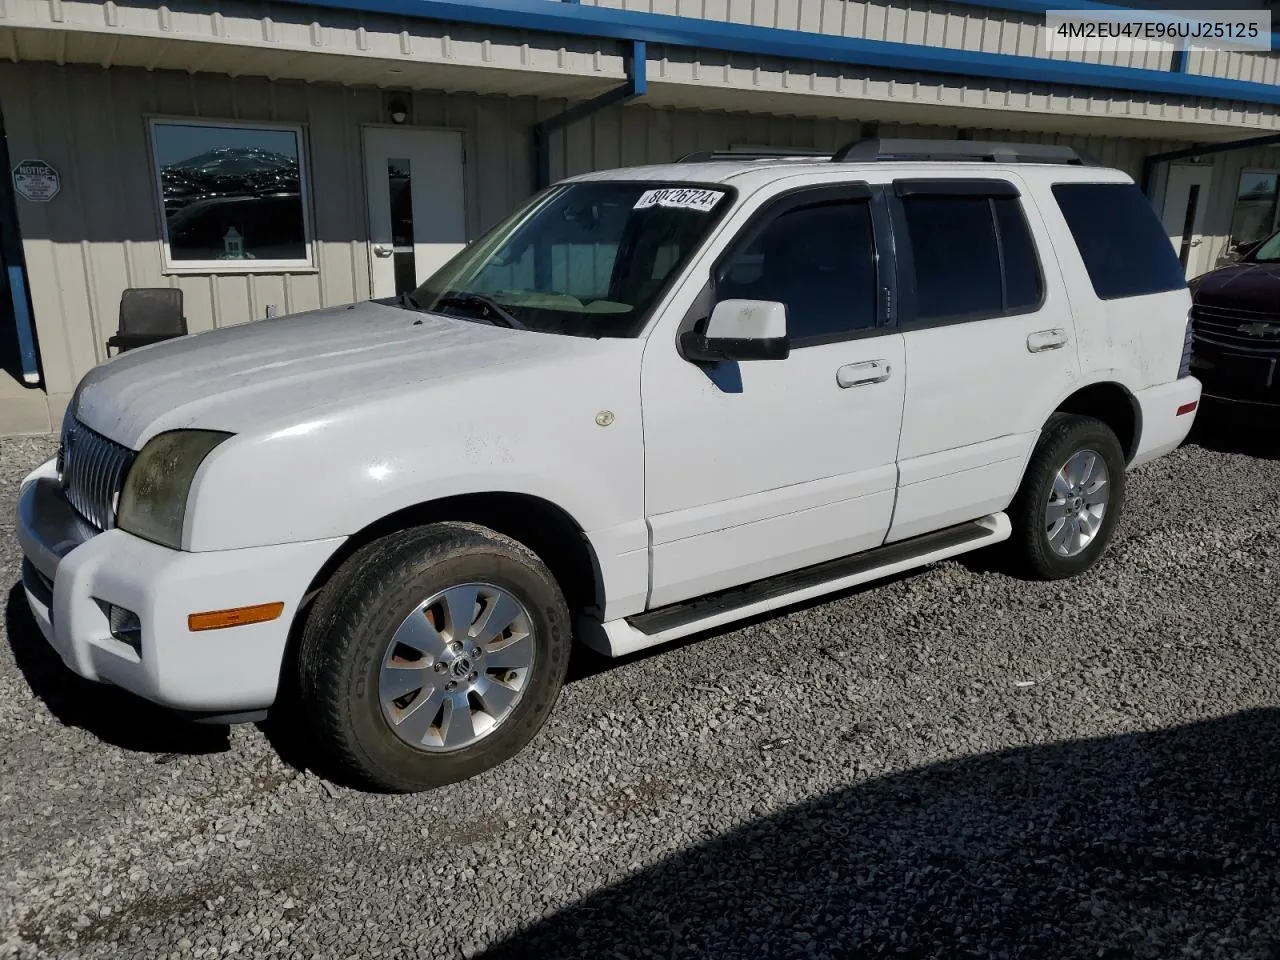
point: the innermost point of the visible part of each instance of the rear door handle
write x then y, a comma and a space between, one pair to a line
860, 374
1043, 340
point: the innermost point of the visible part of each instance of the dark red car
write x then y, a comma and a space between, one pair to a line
1235, 322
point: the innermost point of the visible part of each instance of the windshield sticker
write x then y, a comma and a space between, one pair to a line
680, 198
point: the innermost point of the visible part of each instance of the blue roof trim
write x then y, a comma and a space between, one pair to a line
575, 19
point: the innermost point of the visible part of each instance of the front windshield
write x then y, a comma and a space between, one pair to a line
586, 259
1268, 252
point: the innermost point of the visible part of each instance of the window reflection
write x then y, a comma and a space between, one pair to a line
1255, 212
231, 193
400, 184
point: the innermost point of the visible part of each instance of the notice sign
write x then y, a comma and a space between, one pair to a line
680, 198
36, 181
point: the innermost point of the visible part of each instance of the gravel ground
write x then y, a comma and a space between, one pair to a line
955, 763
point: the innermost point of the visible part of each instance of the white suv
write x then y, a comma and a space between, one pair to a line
651, 402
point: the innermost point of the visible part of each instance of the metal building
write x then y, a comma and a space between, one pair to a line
271, 157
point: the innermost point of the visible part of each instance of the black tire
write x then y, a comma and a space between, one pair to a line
1062, 437
353, 620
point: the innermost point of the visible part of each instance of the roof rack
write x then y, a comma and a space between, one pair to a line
873, 150
705, 156
861, 151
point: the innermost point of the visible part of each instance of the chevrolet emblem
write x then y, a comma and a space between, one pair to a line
1258, 329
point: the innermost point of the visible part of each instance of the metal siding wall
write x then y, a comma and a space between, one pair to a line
638, 134
102, 234
1235, 65
931, 22
768, 82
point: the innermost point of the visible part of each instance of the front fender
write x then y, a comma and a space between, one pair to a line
527, 431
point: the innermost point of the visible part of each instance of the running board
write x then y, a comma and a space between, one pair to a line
618, 638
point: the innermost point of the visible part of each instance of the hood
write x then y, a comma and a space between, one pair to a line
256, 375
1254, 287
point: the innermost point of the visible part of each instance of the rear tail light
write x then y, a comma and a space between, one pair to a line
1184, 368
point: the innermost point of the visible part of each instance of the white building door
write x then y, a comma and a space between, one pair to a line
1186, 197
413, 182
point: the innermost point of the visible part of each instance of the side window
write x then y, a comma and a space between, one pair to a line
820, 261
973, 255
1023, 281
1120, 238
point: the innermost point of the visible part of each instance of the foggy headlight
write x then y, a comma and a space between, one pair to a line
153, 502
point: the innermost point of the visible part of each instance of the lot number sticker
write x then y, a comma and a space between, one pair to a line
36, 181
680, 198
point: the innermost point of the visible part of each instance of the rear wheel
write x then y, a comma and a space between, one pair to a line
1071, 498
431, 656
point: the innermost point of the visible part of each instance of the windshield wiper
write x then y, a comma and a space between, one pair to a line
484, 308
407, 301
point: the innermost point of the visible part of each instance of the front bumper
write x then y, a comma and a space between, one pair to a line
74, 574
1242, 374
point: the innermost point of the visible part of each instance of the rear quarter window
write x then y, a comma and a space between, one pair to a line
1120, 238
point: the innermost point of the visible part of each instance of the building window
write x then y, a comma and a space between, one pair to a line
1254, 216
234, 196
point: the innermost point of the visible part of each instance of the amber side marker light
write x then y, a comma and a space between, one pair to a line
235, 617
1188, 408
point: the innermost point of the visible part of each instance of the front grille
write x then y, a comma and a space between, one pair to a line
92, 469
1242, 329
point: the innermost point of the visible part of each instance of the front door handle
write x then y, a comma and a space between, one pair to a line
381, 250
860, 374
1043, 340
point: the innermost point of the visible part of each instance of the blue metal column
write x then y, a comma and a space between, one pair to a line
636, 85
12, 260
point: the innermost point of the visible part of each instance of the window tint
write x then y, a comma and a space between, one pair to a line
957, 258
231, 193
974, 257
1023, 282
1120, 238
819, 261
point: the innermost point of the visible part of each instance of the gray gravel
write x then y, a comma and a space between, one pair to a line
952, 764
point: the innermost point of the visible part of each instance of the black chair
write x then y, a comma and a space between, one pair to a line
148, 315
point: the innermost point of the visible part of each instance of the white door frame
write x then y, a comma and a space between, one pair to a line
1188, 243
442, 208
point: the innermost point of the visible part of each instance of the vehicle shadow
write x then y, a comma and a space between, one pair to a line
1237, 428
107, 712
1142, 845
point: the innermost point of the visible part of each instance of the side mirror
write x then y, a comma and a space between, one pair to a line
740, 330
1237, 252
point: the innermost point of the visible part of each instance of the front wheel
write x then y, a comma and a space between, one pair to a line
1071, 497
433, 655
